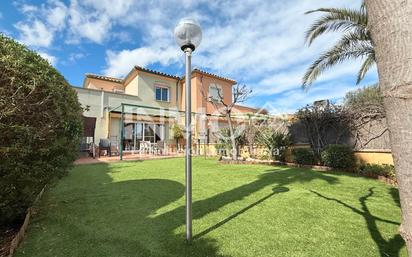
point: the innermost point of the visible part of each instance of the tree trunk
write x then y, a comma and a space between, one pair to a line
250, 149
232, 137
390, 24
177, 145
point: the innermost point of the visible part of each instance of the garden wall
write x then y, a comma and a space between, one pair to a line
367, 156
376, 156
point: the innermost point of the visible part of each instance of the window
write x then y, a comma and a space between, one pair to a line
162, 93
214, 91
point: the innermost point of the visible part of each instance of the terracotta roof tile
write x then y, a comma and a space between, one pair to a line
213, 75
155, 72
95, 76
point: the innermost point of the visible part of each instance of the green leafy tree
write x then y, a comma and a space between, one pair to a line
355, 43
367, 97
40, 127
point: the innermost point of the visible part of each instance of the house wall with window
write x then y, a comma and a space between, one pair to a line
147, 84
202, 86
102, 95
152, 89
99, 104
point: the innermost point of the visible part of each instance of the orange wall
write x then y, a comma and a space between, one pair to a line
182, 93
200, 83
103, 85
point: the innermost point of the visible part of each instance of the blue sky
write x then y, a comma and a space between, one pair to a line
257, 43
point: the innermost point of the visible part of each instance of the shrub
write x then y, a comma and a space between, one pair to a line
338, 156
177, 132
40, 127
378, 170
275, 142
222, 149
304, 156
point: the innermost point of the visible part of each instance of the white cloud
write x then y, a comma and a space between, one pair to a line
73, 57
35, 34
292, 100
260, 43
50, 58
56, 15
89, 24
292, 78
256, 42
41, 24
27, 8
120, 63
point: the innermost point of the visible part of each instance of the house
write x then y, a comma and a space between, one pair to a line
146, 103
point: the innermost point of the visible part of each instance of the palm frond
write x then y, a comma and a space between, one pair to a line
351, 46
367, 64
336, 20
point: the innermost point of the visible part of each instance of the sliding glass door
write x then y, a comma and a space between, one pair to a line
135, 132
138, 135
149, 132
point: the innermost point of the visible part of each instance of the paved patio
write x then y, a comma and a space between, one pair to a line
126, 157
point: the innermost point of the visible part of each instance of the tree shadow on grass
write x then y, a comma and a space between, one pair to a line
276, 190
394, 192
273, 177
100, 217
386, 248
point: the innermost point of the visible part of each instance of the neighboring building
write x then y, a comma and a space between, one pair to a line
152, 101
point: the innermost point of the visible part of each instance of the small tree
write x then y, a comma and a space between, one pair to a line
239, 94
177, 132
224, 138
251, 132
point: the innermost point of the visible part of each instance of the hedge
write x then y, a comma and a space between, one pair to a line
304, 156
338, 156
378, 170
40, 127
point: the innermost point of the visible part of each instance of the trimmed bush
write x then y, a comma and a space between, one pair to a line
385, 170
304, 156
40, 127
338, 156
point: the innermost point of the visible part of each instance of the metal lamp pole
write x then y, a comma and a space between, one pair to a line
188, 155
188, 35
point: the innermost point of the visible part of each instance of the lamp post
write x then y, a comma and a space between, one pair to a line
188, 35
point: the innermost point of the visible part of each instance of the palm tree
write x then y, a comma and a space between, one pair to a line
355, 43
391, 31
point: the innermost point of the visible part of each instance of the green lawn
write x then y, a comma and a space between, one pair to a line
137, 209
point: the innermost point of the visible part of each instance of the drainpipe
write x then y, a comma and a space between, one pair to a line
177, 93
102, 104
204, 103
177, 104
